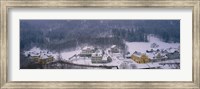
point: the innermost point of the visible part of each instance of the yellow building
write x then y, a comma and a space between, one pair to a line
140, 58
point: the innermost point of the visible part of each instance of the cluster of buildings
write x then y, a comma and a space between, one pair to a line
40, 56
155, 55
106, 56
98, 55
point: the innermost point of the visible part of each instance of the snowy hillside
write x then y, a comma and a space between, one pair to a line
143, 46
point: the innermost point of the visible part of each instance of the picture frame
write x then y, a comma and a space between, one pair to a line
4, 43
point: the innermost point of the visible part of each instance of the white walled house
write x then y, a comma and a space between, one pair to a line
87, 52
99, 57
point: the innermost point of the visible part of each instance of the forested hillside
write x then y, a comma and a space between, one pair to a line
61, 35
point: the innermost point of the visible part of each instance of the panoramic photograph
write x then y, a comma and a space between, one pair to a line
99, 44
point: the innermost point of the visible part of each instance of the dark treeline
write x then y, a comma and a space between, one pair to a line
58, 35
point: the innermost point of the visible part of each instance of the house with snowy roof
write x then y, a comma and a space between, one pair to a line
42, 59
87, 51
158, 56
173, 55
114, 49
140, 57
99, 57
39, 56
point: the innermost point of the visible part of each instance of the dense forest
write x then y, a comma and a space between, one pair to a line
58, 35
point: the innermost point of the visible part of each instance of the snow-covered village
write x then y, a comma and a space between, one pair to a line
152, 53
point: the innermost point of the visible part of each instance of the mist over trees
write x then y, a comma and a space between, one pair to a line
58, 35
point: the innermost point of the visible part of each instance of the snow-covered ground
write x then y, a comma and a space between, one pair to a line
117, 58
143, 46
156, 64
67, 55
81, 60
35, 51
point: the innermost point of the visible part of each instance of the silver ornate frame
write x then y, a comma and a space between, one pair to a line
5, 5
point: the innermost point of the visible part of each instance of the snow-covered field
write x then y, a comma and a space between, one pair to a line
143, 46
